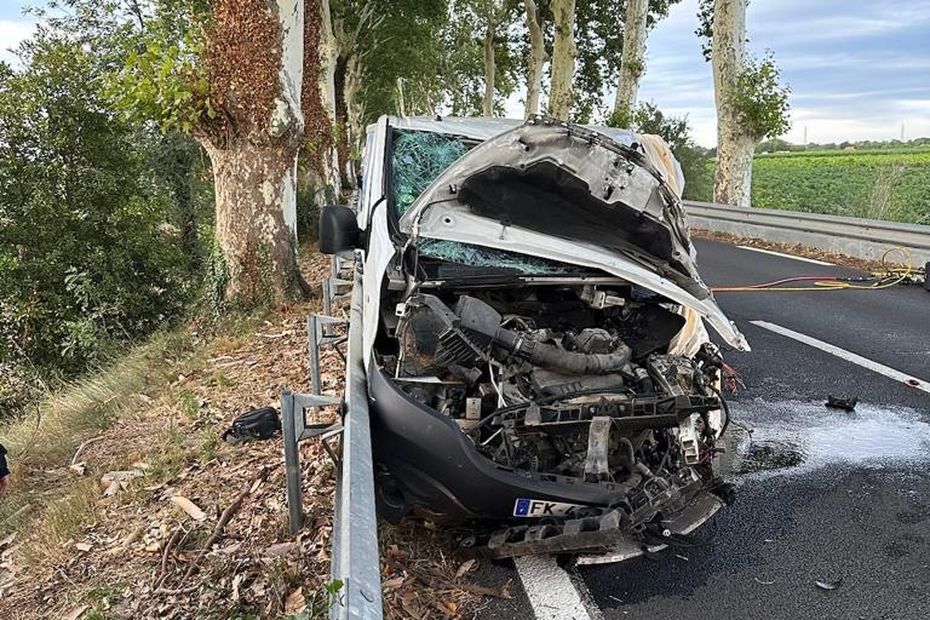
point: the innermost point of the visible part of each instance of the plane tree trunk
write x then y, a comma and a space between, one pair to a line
735, 146
490, 68
563, 59
261, 60
537, 57
633, 61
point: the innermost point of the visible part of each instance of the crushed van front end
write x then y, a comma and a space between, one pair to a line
541, 363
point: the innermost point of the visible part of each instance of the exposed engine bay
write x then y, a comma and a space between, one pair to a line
569, 381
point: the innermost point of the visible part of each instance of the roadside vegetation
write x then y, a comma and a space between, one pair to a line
890, 183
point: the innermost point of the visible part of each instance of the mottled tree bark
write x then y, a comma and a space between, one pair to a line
563, 59
354, 108
633, 61
487, 103
255, 158
537, 58
333, 103
735, 146
257, 243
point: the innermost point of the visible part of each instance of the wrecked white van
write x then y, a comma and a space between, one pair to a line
534, 335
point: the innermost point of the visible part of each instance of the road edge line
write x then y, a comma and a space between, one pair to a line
901, 377
550, 589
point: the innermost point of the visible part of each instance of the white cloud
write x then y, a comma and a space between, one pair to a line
12, 32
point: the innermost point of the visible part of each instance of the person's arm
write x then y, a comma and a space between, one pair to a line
4, 471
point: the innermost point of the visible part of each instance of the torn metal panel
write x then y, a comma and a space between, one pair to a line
455, 223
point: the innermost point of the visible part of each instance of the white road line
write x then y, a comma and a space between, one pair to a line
552, 594
849, 356
801, 258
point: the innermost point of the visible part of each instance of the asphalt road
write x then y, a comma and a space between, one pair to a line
822, 496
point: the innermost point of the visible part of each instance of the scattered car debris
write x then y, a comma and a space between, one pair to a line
846, 404
829, 585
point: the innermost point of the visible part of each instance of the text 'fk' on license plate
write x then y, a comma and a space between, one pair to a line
525, 507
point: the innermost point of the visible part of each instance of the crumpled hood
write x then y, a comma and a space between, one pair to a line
570, 194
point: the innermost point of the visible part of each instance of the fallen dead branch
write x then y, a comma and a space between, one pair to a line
172, 541
225, 518
82, 447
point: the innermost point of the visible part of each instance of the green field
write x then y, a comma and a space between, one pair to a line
888, 184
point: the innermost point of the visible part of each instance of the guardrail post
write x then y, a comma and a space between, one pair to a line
295, 429
313, 347
291, 463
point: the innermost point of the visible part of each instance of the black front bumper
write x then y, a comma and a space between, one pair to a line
425, 462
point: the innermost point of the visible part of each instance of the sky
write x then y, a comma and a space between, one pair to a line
858, 69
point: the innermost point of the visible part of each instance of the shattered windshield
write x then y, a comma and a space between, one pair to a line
417, 158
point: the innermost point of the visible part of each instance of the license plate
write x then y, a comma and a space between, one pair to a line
525, 507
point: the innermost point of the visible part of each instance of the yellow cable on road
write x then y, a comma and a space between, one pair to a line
889, 277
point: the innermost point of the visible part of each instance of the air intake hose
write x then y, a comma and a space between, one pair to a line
479, 317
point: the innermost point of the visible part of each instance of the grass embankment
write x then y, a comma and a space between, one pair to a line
887, 184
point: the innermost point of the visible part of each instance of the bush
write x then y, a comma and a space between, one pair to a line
91, 250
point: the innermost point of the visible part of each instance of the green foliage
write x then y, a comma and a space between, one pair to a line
762, 100
165, 81
462, 56
599, 39
402, 41
886, 185
149, 54
705, 29
89, 251
891, 184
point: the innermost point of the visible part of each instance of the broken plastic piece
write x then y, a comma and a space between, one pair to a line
829, 585
846, 404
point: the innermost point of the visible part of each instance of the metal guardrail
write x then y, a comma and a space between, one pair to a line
852, 236
355, 560
356, 577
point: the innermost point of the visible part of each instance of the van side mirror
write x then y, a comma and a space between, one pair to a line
338, 230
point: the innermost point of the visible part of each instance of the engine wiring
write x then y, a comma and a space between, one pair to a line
889, 276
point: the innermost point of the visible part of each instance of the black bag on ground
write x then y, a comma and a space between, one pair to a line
254, 425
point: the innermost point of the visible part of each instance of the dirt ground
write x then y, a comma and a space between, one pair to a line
132, 525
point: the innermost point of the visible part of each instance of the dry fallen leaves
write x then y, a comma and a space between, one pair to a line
295, 602
246, 569
112, 482
192, 509
75, 613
